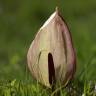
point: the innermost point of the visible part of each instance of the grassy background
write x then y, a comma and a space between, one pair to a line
21, 19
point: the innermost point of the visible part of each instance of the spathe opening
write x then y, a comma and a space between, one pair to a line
51, 69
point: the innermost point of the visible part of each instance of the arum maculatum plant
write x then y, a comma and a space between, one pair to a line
51, 56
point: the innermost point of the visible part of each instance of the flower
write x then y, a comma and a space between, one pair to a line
51, 56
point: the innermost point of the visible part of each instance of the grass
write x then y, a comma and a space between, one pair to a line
33, 88
19, 88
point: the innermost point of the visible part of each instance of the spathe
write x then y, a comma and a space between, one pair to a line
51, 56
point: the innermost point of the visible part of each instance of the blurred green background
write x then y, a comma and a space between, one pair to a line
21, 19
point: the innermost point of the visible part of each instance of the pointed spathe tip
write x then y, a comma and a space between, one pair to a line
57, 9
